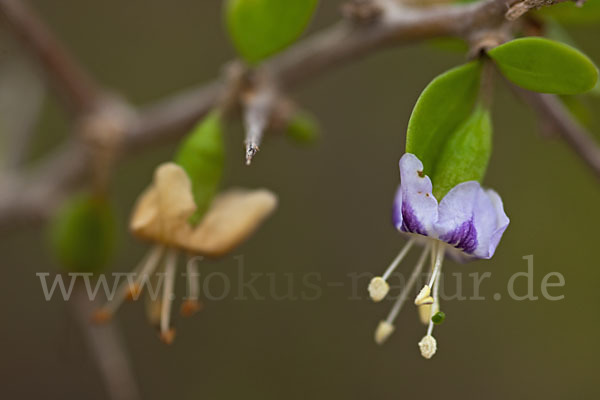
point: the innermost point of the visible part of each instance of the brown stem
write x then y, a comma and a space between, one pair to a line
551, 109
76, 86
396, 24
106, 347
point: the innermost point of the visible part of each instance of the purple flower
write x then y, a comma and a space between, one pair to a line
468, 218
466, 224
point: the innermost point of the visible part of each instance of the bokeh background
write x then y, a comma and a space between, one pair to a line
334, 219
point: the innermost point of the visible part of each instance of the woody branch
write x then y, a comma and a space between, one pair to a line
369, 25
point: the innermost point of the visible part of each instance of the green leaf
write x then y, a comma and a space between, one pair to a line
466, 154
303, 128
569, 13
202, 156
260, 28
82, 234
444, 104
545, 66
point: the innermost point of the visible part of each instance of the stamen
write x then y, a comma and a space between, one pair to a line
409, 285
378, 287
168, 334
428, 346
147, 268
424, 296
439, 258
386, 328
424, 313
383, 331
129, 290
191, 305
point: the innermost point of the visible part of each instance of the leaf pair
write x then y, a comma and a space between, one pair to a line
451, 134
448, 132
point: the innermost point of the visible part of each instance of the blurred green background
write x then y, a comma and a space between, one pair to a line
334, 218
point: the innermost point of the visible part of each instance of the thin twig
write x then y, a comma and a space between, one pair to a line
343, 43
78, 89
552, 110
106, 346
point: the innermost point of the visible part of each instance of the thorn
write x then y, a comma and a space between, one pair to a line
168, 337
101, 316
191, 307
251, 150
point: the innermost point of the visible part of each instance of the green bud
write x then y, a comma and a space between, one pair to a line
202, 156
303, 128
82, 233
438, 318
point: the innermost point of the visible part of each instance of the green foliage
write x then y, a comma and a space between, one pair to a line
202, 156
466, 153
303, 128
444, 104
438, 318
82, 234
545, 66
260, 28
569, 13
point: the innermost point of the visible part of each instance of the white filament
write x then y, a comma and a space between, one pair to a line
398, 259
145, 267
409, 285
170, 268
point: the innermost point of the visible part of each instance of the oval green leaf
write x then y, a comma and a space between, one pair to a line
202, 156
444, 104
545, 66
82, 234
466, 153
260, 28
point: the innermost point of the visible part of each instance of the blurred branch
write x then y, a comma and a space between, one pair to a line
550, 109
78, 89
106, 347
29, 197
521, 7
21, 98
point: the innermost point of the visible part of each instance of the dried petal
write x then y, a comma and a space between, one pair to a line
232, 217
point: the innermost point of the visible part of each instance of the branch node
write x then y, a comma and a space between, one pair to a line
521, 7
362, 12
103, 132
